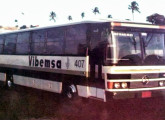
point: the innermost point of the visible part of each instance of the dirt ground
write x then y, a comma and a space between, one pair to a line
21, 103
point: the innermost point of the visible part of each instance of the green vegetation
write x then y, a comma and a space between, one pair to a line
109, 16
156, 19
96, 10
82, 15
70, 18
52, 16
134, 7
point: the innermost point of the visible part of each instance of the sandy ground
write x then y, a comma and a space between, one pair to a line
29, 104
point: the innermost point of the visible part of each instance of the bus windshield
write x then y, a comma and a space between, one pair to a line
154, 44
138, 48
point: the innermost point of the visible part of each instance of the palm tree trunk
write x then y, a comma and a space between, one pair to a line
133, 16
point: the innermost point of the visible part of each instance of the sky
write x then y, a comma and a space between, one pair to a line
36, 12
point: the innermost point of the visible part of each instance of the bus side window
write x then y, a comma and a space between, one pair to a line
55, 38
76, 39
95, 35
10, 44
1, 43
71, 43
23, 45
38, 42
81, 38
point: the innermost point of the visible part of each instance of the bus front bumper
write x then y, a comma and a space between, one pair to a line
134, 94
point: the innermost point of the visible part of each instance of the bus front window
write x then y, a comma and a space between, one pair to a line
154, 44
137, 48
127, 47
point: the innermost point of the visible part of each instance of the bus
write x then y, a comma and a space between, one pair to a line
92, 59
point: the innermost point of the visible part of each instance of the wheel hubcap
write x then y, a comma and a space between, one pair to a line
9, 83
69, 93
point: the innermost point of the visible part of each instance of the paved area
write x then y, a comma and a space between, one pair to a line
29, 104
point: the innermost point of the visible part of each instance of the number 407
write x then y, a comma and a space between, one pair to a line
79, 63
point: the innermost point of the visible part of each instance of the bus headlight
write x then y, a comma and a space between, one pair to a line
161, 83
116, 85
124, 85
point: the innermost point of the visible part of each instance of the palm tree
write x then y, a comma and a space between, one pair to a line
109, 16
134, 7
16, 21
82, 15
96, 10
69, 17
52, 16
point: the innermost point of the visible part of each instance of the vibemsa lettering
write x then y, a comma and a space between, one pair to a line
44, 63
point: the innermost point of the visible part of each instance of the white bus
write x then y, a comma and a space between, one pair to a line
92, 59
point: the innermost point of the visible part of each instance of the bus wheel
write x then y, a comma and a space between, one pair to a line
71, 91
9, 81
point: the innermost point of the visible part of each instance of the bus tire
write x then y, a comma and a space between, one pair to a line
9, 81
71, 91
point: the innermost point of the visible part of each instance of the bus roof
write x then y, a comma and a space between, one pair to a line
113, 23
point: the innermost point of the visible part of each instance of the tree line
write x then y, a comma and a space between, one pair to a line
96, 11
133, 7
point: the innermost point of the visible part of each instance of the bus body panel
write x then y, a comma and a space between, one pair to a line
88, 55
